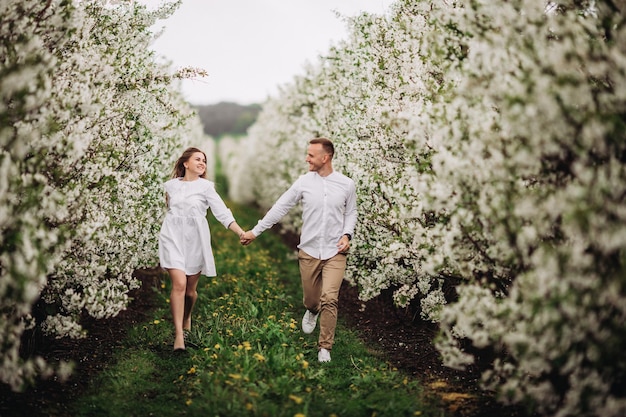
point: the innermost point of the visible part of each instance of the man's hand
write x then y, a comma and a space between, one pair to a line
344, 244
247, 238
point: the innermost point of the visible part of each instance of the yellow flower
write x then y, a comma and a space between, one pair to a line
217, 346
295, 399
235, 376
299, 415
249, 406
162, 285
189, 401
417, 413
191, 370
157, 321
259, 357
305, 364
247, 345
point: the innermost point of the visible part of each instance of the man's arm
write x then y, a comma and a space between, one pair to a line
281, 207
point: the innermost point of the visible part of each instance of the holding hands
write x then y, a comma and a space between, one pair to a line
246, 238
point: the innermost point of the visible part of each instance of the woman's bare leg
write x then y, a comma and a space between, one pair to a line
177, 304
191, 295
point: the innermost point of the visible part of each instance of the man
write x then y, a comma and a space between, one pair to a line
328, 220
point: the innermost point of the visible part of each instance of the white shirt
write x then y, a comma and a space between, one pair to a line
328, 212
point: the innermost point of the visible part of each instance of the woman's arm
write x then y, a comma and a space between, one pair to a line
237, 229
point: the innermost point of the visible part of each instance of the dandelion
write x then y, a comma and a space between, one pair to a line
305, 364
189, 401
157, 322
299, 415
259, 357
234, 376
191, 370
247, 346
295, 399
249, 406
162, 285
217, 346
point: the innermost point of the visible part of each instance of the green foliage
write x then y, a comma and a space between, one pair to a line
227, 118
246, 354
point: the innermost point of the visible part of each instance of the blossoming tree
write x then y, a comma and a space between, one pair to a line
90, 124
487, 141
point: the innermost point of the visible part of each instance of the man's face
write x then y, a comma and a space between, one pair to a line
316, 157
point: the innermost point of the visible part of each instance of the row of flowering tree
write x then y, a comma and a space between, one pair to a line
89, 124
488, 144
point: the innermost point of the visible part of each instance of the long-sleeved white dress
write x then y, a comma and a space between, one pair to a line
185, 238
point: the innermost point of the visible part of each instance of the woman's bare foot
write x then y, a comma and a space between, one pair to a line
179, 343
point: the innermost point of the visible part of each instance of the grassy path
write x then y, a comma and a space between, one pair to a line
246, 353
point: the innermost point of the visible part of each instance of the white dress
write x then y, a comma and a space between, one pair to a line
185, 238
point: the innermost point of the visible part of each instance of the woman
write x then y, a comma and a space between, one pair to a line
185, 240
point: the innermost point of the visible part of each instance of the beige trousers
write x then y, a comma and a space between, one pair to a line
321, 281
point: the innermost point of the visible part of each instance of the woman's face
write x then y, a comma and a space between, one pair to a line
196, 164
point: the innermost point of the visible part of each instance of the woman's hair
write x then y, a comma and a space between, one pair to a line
179, 167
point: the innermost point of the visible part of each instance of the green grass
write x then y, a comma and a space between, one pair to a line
246, 354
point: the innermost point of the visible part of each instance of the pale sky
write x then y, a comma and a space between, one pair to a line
250, 47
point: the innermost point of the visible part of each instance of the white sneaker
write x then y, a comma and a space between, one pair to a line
323, 355
309, 321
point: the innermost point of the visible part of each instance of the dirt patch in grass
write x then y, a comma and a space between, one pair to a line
51, 398
405, 341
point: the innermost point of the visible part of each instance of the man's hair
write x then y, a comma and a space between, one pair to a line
328, 146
